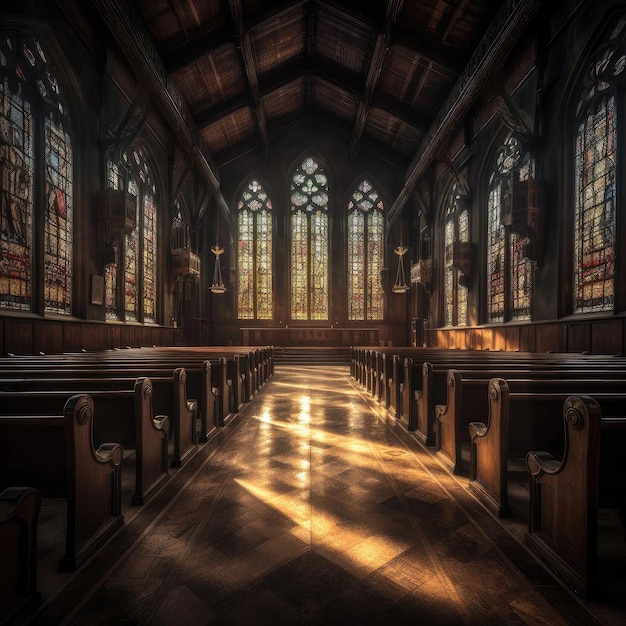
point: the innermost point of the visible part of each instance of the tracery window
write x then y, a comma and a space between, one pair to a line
254, 258
596, 144
36, 169
130, 279
509, 270
456, 230
366, 248
309, 242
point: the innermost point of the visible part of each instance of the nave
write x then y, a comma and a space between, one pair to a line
312, 507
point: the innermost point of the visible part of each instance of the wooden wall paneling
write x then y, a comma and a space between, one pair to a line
499, 338
95, 337
19, 336
607, 337
550, 338
48, 336
528, 338
2, 344
72, 337
578, 337
513, 338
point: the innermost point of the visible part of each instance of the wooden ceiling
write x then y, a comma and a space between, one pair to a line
376, 72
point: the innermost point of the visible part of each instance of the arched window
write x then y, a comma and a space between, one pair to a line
36, 169
130, 280
254, 255
309, 242
366, 247
509, 271
595, 179
456, 231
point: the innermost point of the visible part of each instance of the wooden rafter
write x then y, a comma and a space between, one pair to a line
251, 74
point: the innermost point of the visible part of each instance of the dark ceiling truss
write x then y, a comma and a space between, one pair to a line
135, 42
251, 73
315, 118
485, 62
342, 78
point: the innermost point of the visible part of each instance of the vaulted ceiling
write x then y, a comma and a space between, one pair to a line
389, 76
374, 71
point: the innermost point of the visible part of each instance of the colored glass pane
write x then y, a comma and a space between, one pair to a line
58, 224
594, 210
366, 234
309, 242
495, 254
110, 286
255, 293
16, 198
149, 258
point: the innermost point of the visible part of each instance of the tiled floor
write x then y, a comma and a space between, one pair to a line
312, 507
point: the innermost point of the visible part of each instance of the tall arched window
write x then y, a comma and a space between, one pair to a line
595, 179
36, 169
366, 247
254, 255
509, 270
309, 242
130, 279
456, 230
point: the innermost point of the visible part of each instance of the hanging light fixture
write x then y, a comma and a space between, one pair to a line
218, 282
400, 286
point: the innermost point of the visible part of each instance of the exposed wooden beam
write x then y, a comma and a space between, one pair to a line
251, 74
394, 7
493, 50
207, 43
133, 39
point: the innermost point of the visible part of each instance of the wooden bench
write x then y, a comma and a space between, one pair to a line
565, 494
55, 455
169, 396
19, 513
518, 422
121, 415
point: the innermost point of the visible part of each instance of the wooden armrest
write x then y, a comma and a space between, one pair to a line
540, 462
440, 409
111, 452
161, 422
477, 429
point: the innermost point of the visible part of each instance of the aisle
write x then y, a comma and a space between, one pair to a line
311, 509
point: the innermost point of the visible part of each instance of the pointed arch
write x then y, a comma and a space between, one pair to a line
365, 251
309, 220
510, 273
255, 289
456, 230
596, 133
131, 277
36, 168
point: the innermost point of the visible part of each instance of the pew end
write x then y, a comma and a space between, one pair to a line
566, 494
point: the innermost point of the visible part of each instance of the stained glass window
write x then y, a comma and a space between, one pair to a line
509, 270
595, 179
35, 161
130, 277
366, 232
456, 230
254, 257
309, 242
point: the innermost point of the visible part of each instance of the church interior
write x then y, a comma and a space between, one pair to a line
312, 312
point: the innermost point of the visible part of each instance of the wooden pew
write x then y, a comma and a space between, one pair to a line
434, 390
519, 422
55, 454
206, 382
169, 396
19, 513
121, 415
565, 495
